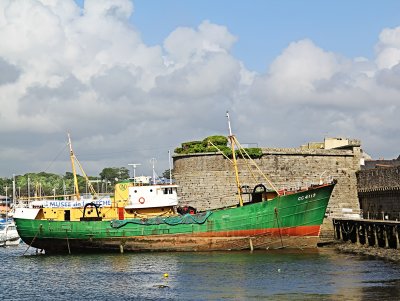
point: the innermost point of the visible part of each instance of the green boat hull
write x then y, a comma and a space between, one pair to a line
292, 220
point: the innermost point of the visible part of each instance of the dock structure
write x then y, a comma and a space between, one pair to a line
378, 185
373, 233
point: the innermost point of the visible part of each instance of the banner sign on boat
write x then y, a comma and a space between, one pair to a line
104, 202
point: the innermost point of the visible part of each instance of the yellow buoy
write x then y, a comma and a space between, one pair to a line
166, 275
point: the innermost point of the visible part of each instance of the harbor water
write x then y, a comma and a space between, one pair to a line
320, 274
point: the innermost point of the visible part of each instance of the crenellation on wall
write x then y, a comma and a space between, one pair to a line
207, 180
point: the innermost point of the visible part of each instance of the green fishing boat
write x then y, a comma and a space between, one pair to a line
148, 218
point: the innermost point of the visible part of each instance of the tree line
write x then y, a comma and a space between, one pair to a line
43, 183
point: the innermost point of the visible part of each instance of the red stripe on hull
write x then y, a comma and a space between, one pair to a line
292, 231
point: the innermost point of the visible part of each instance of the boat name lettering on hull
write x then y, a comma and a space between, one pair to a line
306, 197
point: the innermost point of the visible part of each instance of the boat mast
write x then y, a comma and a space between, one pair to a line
72, 156
14, 192
6, 203
232, 140
170, 167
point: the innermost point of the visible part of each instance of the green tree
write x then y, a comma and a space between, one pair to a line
114, 174
69, 175
47, 184
4, 182
166, 174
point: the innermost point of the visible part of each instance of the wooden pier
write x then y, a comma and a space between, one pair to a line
377, 233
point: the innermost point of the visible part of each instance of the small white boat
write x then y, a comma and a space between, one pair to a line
8, 234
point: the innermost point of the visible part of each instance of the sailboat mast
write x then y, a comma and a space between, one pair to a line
170, 167
232, 140
72, 156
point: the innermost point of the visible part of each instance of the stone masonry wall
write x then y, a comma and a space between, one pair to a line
379, 193
208, 180
379, 179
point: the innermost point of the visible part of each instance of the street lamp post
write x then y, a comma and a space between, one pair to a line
153, 162
134, 165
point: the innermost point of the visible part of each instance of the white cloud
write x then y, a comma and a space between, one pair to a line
87, 71
388, 48
309, 93
116, 9
185, 44
301, 64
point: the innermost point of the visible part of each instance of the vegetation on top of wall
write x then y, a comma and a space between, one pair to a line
253, 152
203, 146
207, 146
216, 140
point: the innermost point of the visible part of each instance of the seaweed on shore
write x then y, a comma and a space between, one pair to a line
377, 252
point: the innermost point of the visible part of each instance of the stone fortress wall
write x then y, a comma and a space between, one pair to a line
207, 180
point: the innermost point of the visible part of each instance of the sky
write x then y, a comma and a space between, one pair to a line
132, 80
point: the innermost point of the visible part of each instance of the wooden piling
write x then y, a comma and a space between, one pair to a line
385, 236
377, 233
357, 234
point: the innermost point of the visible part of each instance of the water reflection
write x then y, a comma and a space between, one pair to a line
319, 274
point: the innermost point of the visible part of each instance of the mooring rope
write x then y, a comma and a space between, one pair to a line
40, 228
349, 229
69, 249
279, 227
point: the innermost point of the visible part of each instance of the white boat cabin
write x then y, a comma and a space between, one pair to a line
152, 196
